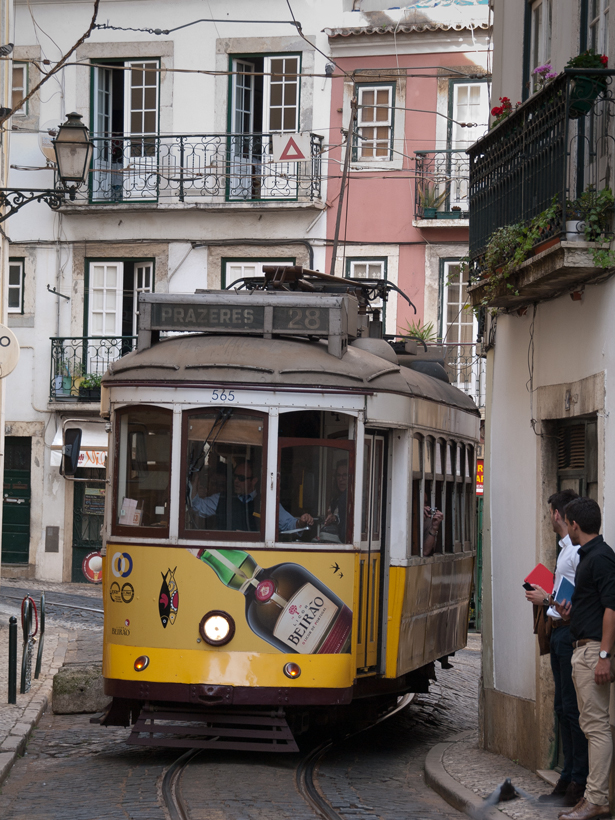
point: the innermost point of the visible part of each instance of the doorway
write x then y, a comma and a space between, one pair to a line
372, 542
88, 516
16, 500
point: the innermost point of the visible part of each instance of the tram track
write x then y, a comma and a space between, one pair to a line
305, 773
56, 604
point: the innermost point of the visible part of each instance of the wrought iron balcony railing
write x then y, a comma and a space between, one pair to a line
77, 363
554, 148
205, 168
441, 184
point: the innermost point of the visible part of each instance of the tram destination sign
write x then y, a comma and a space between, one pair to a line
331, 317
220, 318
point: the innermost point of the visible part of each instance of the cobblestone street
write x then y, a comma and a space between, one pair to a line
76, 770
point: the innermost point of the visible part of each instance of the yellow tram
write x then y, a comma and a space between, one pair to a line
271, 540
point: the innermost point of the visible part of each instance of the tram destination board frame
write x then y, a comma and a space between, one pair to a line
330, 317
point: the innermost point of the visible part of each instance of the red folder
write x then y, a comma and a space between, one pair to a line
542, 577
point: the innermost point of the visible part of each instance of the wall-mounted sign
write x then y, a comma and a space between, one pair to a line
9, 351
291, 147
480, 475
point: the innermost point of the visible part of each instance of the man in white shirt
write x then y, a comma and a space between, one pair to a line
571, 785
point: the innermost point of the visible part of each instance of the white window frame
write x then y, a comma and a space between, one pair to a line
364, 123
248, 268
113, 298
22, 89
16, 264
598, 26
540, 41
353, 266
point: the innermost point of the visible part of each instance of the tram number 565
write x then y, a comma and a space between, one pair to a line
223, 395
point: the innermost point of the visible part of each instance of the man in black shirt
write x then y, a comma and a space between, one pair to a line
592, 628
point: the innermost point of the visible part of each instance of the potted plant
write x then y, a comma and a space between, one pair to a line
89, 387
585, 88
430, 201
455, 212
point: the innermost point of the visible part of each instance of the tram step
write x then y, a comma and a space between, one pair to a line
261, 732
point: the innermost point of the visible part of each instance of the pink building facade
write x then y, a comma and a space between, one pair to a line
420, 79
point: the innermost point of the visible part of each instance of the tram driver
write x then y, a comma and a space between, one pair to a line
244, 513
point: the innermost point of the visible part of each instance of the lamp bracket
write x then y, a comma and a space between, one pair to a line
15, 198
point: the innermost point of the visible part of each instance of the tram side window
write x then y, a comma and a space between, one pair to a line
144, 468
432, 535
470, 499
449, 504
223, 473
417, 494
315, 491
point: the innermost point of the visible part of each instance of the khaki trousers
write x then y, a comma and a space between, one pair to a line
593, 703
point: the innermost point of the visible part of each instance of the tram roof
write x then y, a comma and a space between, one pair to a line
272, 362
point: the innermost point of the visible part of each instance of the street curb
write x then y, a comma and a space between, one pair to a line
41, 702
460, 798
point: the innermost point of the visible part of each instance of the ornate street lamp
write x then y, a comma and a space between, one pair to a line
73, 150
73, 153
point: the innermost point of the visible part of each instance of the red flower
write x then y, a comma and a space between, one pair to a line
604, 60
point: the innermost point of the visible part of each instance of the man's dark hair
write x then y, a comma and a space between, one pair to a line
559, 500
586, 513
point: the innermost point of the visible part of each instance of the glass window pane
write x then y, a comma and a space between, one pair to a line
144, 468
224, 460
14, 274
150, 98
137, 98
290, 93
275, 119
14, 298
276, 94
289, 119
417, 454
429, 465
314, 484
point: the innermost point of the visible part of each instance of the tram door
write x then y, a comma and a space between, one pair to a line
371, 551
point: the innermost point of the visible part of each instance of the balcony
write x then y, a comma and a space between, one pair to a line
199, 169
441, 188
77, 363
542, 174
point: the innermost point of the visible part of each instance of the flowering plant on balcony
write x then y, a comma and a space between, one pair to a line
501, 112
543, 75
588, 59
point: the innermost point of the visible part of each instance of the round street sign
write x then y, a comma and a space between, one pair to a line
92, 567
9, 351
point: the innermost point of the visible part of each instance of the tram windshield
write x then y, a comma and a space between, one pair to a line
223, 472
316, 487
144, 468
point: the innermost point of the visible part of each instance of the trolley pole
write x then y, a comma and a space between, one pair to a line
12, 659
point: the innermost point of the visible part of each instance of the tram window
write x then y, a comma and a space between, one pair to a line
458, 531
367, 460
469, 517
315, 424
144, 468
377, 511
223, 473
460, 464
470, 462
315, 491
449, 514
417, 494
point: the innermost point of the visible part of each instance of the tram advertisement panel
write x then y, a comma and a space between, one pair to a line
282, 601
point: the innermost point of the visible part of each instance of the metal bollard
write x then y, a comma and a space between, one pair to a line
12, 659
41, 639
26, 660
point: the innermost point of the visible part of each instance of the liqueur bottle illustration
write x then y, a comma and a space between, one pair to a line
286, 605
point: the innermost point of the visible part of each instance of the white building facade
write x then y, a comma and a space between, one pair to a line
184, 193
548, 331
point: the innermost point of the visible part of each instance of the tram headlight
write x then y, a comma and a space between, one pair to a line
141, 663
292, 670
217, 628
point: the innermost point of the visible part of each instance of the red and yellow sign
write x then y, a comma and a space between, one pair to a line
480, 475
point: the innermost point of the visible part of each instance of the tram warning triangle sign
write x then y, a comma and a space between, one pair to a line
291, 147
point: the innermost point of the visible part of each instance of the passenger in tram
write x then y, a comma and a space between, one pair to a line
432, 518
337, 512
244, 514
